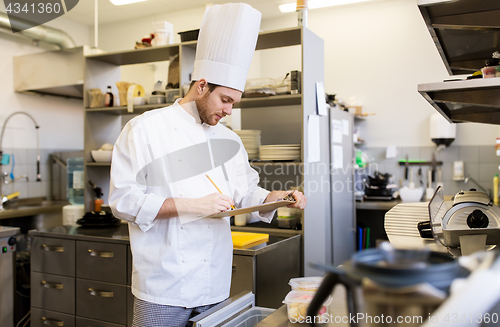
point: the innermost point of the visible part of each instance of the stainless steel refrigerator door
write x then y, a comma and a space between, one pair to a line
343, 205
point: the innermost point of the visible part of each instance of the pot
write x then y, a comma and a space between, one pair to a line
390, 283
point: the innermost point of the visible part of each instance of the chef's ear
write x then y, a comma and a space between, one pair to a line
202, 86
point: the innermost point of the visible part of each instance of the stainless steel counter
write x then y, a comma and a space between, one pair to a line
31, 207
120, 234
8, 231
377, 205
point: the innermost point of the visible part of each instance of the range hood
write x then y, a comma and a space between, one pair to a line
58, 72
466, 33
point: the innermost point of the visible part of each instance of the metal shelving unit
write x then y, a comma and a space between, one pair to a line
285, 121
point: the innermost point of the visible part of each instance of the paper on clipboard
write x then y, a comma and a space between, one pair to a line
261, 207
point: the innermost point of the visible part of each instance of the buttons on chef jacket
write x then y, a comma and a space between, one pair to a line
181, 195
182, 227
209, 226
205, 259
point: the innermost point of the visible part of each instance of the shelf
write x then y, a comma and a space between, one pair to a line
270, 101
475, 100
122, 110
138, 56
266, 40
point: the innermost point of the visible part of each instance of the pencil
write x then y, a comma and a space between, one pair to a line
218, 189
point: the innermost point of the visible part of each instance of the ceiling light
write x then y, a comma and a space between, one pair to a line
291, 7
124, 2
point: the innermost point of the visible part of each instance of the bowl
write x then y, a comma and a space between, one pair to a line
101, 155
411, 194
138, 101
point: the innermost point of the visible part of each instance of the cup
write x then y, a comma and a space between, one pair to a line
240, 220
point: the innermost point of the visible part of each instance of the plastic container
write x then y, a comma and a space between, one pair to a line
297, 303
75, 180
157, 99
305, 283
189, 35
172, 95
258, 87
489, 72
288, 222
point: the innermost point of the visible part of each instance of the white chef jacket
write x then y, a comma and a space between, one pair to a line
187, 264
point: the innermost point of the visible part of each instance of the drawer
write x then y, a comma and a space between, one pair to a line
53, 256
104, 262
84, 322
129, 266
242, 278
101, 301
53, 292
130, 306
46, 318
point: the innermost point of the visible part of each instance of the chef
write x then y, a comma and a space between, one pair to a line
159, 179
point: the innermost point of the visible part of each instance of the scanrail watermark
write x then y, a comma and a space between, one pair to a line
363, 318
359, 318
25, 14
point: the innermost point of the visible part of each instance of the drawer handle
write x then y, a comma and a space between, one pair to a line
100, 293
49, 248
52, 322
101, 254
52, 285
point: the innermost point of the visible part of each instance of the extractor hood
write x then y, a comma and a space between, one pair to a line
58, 72
466, 33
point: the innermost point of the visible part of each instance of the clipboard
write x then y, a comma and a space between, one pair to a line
266, 207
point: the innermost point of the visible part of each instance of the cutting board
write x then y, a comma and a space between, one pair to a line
241, 239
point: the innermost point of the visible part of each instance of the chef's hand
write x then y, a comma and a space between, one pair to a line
298, 196
212, 203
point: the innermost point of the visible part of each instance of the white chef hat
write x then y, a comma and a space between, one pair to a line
226, 44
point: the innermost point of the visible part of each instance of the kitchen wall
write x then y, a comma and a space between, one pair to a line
379, 52
375, 51
60, 119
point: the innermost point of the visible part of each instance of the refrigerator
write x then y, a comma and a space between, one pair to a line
343, 204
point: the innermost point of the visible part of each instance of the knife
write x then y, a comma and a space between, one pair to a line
406, 168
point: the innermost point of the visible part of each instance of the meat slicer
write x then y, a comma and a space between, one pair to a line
468, 223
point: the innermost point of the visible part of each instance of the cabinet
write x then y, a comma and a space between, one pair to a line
75, 283
465, 33
285, 122
81, 277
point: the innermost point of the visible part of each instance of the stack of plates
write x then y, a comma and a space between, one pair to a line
280, 152
251, 142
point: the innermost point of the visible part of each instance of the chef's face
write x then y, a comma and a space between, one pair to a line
217, 104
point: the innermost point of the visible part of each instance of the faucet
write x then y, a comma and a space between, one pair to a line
4, 174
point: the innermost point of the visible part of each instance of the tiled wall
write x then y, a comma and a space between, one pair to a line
480, 163
53, 177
